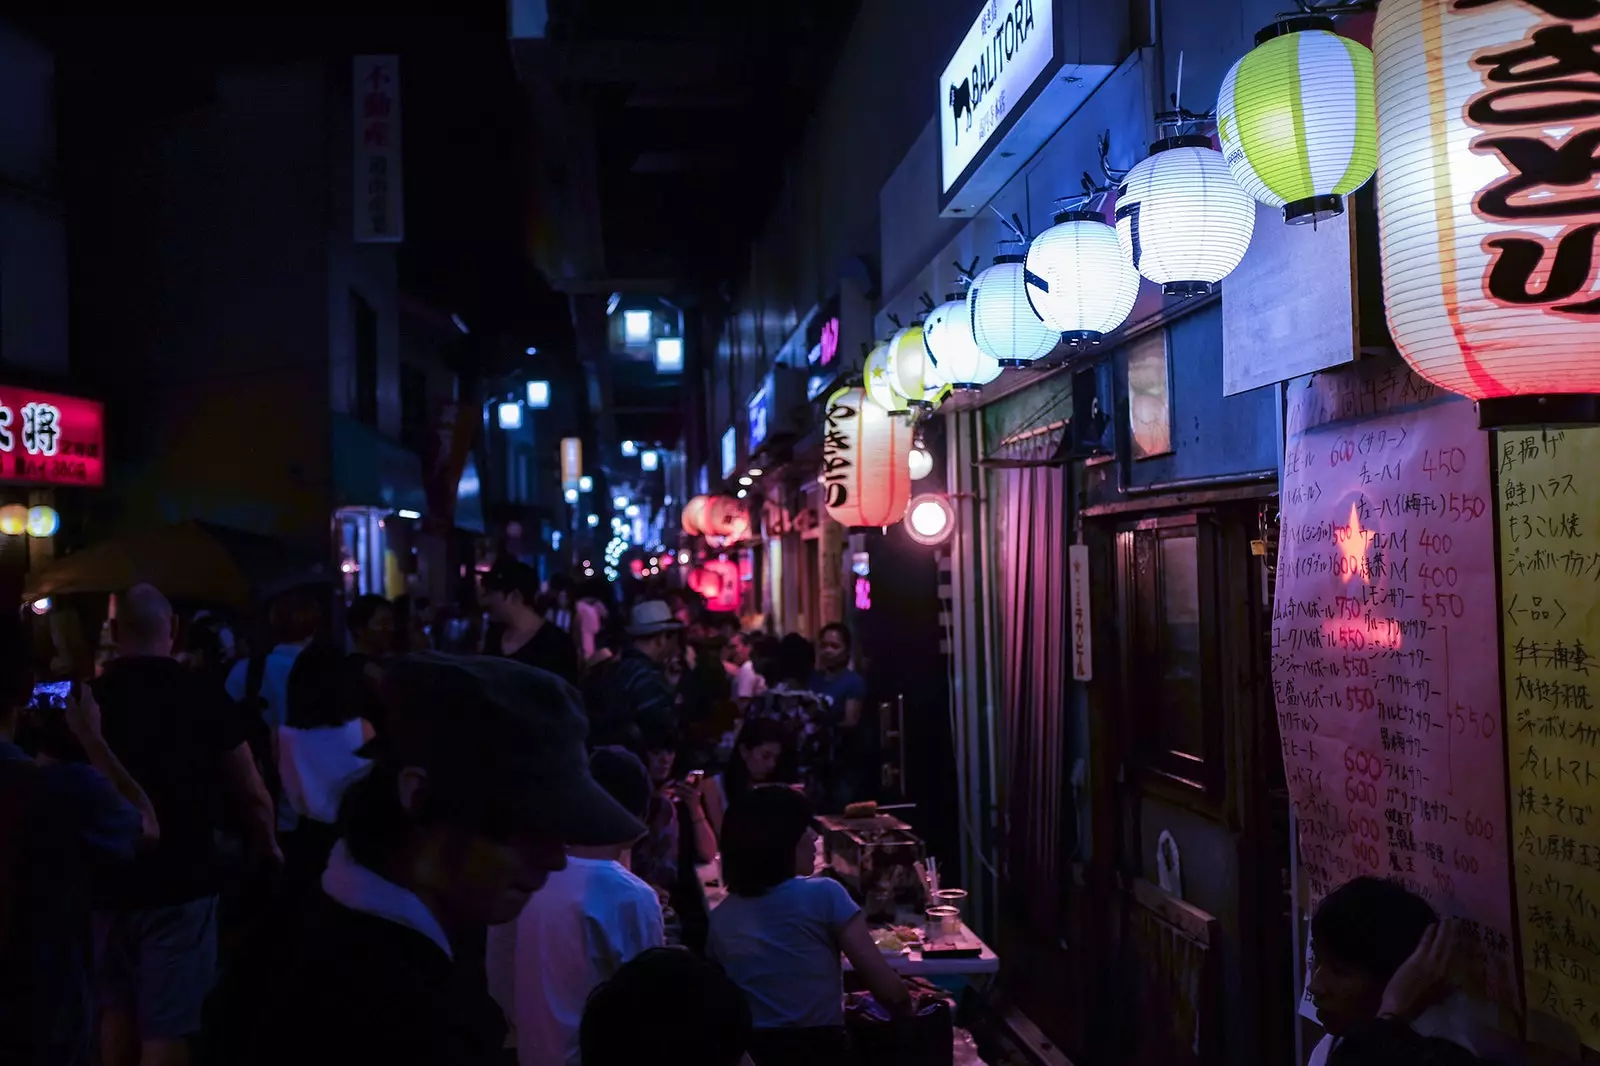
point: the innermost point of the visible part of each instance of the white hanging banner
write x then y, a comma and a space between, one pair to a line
1081, 620
378, 207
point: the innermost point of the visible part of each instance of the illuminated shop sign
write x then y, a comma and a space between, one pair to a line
49, 439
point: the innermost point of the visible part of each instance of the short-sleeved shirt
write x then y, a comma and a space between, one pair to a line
782, 949
550, 648
171, 729
841, 688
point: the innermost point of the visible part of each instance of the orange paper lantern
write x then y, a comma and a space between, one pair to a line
866, 461
724, 517
693, 515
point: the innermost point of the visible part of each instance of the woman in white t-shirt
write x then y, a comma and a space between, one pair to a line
779, 934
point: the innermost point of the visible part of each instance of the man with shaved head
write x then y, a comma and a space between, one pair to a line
156, 931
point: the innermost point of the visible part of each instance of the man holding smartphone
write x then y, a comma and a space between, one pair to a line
56, 818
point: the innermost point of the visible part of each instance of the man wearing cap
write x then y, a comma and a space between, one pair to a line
631, 702
478, 784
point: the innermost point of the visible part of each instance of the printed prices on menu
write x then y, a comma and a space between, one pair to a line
1548, 503
1385, 663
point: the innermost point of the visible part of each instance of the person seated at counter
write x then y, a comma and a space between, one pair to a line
1382, 961
780, 933
666, 1006
764, 747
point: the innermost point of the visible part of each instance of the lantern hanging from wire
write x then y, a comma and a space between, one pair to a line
1182, 221
1488, 275
1296, 120
866, 461
1078, 279
880, 391
694, 513
912, 376
724, 517
1004, 321
947, 334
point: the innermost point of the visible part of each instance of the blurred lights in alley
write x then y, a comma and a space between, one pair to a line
742, 493
619, 502
586, 483
756, 471
571, 495
41, 606
630, 448
632, 510
538, 394
649, 460
593, 520
669, 355
588, 571
531, 350
636, 327
511, 416
747, 480
43, 521
13, 519
683, 558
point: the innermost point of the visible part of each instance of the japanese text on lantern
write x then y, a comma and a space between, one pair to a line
1383, 651
838, 452
1549, 514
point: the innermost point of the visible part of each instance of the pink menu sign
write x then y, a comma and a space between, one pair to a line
1385, 657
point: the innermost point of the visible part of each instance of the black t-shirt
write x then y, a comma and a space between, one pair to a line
550, 648
170, 728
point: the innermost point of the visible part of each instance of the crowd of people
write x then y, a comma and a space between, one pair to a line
359, 849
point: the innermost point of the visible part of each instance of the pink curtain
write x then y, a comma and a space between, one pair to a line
1034, 674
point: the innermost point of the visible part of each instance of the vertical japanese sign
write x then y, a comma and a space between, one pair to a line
571, 462
1082, 621
1384, 651
1549, 512
379, 206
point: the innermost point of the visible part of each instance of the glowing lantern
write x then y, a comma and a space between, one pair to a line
947, 334
43, 521
1296, 121
693, 515
866, 462
1487, 205
718, 581
912, 377
1004, 322
1078, 279
921, 461
724, 517
13, 519
1182, 221
930, 519
879, 389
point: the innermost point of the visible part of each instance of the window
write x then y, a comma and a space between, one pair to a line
1168, 600
364, 322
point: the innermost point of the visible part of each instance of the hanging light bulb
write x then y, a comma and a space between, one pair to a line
1078, 279
921, 459
1004, 322
1182, 221
1296, 119
947, 334
879, 391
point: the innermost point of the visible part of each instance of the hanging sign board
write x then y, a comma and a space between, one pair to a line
1082, 621
48, 439
1548, 505
1385, 670
379, 206
571, 462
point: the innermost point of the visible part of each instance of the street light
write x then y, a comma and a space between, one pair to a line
630, 448
511, 416
669, 355
619, 502
538, 395
594, 520
649, 460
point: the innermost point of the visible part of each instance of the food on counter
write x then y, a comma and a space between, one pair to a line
889, 941
866, 809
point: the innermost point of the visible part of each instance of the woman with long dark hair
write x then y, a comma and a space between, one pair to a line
762, 755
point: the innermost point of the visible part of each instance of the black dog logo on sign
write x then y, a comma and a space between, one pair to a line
961, 100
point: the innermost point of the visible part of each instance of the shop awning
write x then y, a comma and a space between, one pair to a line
370, 470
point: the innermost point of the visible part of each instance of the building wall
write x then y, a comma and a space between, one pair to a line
33, 236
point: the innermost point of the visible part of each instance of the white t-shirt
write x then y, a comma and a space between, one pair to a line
747, 684
782, 950
573, 934
317, 765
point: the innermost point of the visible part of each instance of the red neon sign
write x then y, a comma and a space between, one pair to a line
49, 439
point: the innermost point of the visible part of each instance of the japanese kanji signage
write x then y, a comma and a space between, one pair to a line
1079, 618
46, 439
379, 204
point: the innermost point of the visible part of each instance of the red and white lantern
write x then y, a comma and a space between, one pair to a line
724, 517
694, 513
1488, 205
866, 461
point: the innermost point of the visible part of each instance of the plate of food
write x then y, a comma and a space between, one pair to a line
890, 942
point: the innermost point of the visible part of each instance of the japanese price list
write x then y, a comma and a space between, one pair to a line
1385, 663
1548, 507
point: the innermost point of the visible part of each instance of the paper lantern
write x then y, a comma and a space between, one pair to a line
1182, 221
921, 461
1078, 279
724, 517
694, 513
907, 364
1004, 323
43, 521
718, 581
879, 389
1487, 206
13, 519
866, 461
1296, 120
947, 334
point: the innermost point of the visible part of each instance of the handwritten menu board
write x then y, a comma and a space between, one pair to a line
1548, 504
1385, 668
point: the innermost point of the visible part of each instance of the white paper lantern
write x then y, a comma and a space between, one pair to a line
879, 389
1182, 221
921, 461
1004, 323
1488, 275
866, 461
1078, 279
1296, 121
959, 362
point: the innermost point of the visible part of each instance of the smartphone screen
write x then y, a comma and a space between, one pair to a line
52, 694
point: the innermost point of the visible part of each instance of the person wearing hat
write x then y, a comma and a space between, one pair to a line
479, 783
631, 701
